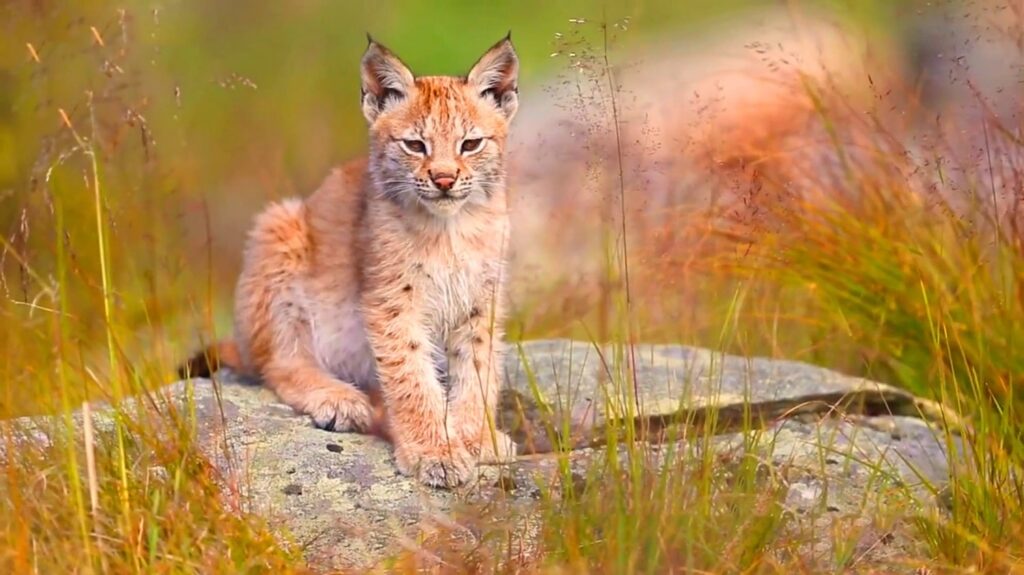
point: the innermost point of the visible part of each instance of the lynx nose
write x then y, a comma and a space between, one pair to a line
443, 181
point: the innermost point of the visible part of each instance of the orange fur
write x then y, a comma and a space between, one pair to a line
389, 277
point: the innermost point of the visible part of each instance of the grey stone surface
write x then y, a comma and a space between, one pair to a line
339, 496
588, 384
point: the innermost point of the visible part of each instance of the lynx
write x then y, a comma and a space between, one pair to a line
388, 279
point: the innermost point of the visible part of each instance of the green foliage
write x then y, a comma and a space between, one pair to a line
130, 136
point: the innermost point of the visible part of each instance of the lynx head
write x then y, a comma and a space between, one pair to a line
438, 142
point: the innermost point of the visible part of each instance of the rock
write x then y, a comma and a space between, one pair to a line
340, 497
588, 385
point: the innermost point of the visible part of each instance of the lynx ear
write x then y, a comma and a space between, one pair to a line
386, 80
496, 76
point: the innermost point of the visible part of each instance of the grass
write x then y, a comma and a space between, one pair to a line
158, 508
856, 259
932, 296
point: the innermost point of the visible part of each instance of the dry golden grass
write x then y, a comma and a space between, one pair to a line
867, 237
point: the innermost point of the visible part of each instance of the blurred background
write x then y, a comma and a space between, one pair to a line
198, 113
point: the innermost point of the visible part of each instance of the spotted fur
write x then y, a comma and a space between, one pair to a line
389, 277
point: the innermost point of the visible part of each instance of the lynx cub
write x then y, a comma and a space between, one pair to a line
388, 279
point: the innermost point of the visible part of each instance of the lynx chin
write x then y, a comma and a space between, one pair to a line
387, 281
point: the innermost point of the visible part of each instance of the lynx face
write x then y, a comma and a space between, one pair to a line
438, 142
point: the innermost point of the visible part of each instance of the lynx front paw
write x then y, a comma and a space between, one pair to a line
492, 447
439, 466
342, 409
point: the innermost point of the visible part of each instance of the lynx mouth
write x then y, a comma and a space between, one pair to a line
444, 197
444, 205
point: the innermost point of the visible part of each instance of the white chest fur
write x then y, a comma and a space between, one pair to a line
450, 285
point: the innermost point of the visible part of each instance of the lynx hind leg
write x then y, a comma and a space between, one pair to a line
273, 323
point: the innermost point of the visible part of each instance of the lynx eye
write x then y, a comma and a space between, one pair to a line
416, 147
472, 146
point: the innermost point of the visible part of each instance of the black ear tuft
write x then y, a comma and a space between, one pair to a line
496, 76
385, 79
